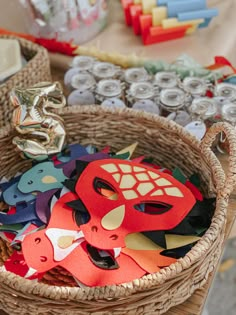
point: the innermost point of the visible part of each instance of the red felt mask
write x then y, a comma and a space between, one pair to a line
121, 198
124, 197
61, 244
43, 250
16, 263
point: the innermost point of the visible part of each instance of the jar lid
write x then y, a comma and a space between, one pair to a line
172, 98
134, 75
83, 62
195, 86
166, 80
69, 75
104, 70
228, 112
109, 88
83, 81
204, 106
226, 90
142, 90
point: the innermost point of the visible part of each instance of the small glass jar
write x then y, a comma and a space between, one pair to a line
140, 91
83, 62
83, 85
105, 70
69, 75
228, 113
206, 107
166, 80
83, 81
143, 96
136, 75
172, 100
181, 117
202, 110
226, 90
107, 89
195, 86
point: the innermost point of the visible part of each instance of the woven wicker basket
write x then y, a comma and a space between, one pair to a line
36, 70
171, 146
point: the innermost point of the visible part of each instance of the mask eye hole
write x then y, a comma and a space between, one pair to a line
153, 208
101, 259
105, 189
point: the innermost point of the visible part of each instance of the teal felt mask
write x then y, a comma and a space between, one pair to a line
42, 177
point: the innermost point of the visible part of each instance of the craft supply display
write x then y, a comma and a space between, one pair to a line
163, 20
76, 21
104, 217
193, 102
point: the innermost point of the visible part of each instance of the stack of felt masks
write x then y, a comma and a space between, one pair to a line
104, 217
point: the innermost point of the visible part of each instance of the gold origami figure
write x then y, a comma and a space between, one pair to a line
42, 132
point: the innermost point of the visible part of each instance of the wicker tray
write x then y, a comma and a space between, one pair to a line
153, 294
36, 70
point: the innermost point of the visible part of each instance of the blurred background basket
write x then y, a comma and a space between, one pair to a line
36, 70
170, 146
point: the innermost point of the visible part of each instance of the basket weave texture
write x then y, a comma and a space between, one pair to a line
170, 146
36, 70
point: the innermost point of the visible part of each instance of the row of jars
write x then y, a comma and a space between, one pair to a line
184, 101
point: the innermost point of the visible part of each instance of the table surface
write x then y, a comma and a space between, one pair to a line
218, 39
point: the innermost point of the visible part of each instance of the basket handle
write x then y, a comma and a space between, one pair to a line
228, 181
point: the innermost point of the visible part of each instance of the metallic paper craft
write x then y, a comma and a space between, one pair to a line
41, 132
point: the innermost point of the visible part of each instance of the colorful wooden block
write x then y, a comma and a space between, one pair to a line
176, 7
155, 34
160, 20
126, 8
158, 14
136, 11
159, 30
201, 14
154, 39
205, 23
145, 23
162, 2
148, 5
173, 22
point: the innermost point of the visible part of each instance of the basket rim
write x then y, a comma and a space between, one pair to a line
149, 281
